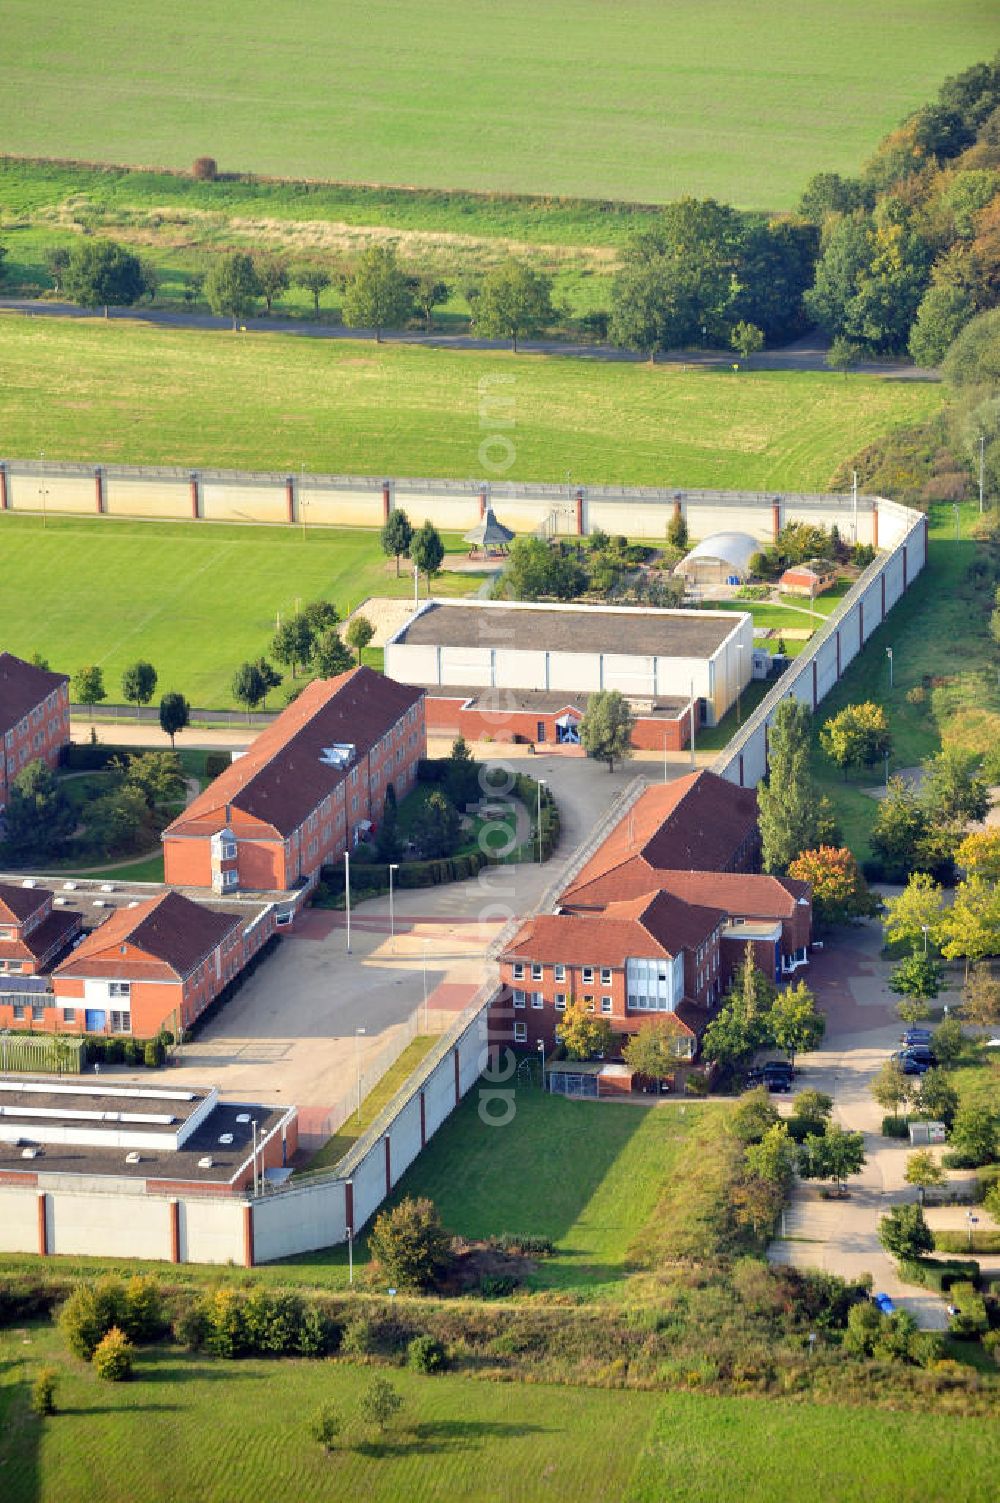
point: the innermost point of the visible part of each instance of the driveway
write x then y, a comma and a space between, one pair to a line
841, 1236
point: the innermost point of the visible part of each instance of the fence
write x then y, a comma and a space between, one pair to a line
813, 674
42, 1056
157, 493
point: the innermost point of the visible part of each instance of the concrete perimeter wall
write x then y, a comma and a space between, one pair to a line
452, 505
812, 675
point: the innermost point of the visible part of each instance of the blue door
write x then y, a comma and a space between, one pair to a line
96, 1020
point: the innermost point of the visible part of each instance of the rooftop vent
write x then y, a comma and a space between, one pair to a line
107, 887
243, 1117
134, 903
29, 882
69, 886
341, 754
59, 902
226, 1138
132, 1158
101, 903
207, 1162
30, 1153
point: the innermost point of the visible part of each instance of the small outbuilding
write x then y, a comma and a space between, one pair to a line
587, 1078
809, 579
723, 558
489, 537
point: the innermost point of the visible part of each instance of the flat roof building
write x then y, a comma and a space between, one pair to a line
483, 663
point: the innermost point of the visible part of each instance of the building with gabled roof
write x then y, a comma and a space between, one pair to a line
646, 955
34, 717
157, 964
32, 933
304, 790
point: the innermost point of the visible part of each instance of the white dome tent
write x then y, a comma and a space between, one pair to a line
723, 558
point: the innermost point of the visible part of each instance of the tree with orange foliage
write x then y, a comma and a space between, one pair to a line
839, 891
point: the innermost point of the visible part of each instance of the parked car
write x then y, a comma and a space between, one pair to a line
777, 1067
884, 1303
910, 1064
916, 1036
777, 1075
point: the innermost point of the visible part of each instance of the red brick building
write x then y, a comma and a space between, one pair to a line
157, 965
548, 720
303, 790
34, 717
653, 955
33, 935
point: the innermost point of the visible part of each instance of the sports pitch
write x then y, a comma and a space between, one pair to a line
637, 99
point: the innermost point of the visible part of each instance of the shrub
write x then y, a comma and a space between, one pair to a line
359, 1338
226, 1333
410, 1243
904, 1232
192, 1325
114, 1051
216, 763
326, 1427
112, 1359
205, 169
938, 1273
142, 1316
425, 1354
895, 1127
153, 1054
970, 1319
43, 1391
317, 1335
496, 1285
380, 1403
89, 1313
133, 1054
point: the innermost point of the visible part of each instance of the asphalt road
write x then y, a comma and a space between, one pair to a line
806, 354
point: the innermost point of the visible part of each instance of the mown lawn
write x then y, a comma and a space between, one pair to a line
125, 392
107, 592
191, 1427
635, 99
586, 1174
702, 1450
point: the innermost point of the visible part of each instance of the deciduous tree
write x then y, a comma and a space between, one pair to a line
836, 1155
514, 300
582, 1032
410, 1244
273, 277
293, 642
839, 891
857, 736
331, 655
232, 286
139, 683
936, 1097
175, 714
377, 296
787, 802
358, 634
396, 536
249, 686
312, 279
918, 977
981, 997
923, 1171
916, 909
38, 819
954, 792
427, 550
436, 826
746, 339
88, 686
979, 855
904, 1233
891, 1088
793, 1022
606, 728
101, 274
654, 1050
969, 927
428, 292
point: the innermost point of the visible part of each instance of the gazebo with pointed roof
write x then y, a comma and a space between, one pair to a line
488, 536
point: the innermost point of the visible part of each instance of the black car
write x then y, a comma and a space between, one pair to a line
911, 1063
916, 1036
777, 1075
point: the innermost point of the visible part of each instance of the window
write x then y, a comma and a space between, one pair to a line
18, 1012
520, 1033
16, 965
589, 1003
121, 1022
38, 1012
536, 972
230, 878
605, 975
560, 1001
119, 989
229, 850
588, 974
69, 1014
518, 970
518, 997
537, 1000
560, 973
605, 1004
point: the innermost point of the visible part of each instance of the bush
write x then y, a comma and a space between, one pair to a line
89, 1313
938, 1273
895, 1127
326, 1427
112, 1359
153, 1054
496, 1285
380, 1403
142, 1317
191, 1326
410, 1244
216, 763
89, 756
359, 1338
525, 1247
43, 1391
970, 1319
133, 1054
425, 1354
205, 169
114, 1051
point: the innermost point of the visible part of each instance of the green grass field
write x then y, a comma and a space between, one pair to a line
231, 1432
938, 612
79, 601
530, 1176
129, 393
632, 100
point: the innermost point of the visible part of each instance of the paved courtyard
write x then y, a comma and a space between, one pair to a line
841, 1236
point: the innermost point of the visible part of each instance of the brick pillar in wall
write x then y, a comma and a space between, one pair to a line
875, 524
775, 519
248, 1235
579, 513
289, 499
43, 1225
99, 491
3, 486
386, 502
195, 498
175, 1231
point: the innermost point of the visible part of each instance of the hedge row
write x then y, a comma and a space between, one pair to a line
940, 1273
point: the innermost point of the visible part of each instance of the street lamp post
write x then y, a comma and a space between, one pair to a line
538, 818
416, 585
358, 1034
302, 499
888, 653
541, 1055
393, 867
739, 684
924, 928
347, 895
982, 461
255, 1158
691, 737
886, 756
